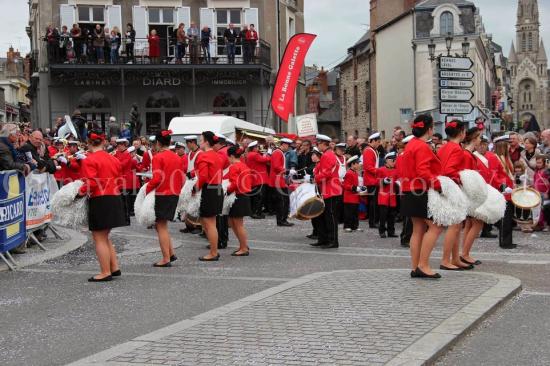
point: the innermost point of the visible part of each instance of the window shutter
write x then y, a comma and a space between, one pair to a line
114, 17
251, 17
139, 15
183, 15
208, 17
67, 13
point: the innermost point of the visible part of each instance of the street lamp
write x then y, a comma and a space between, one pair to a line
449, 42
465, 47
431, 50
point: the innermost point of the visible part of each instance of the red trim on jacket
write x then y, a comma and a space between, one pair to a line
168, 175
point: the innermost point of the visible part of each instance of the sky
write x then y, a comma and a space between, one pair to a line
337, 23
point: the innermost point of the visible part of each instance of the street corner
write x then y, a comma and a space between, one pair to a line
343, 317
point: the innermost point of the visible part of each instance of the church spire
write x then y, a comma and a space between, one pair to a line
528, 12
541, 57
512, 58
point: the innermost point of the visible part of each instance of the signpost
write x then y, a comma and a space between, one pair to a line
456, 107
455, 63
455, 83
456, 94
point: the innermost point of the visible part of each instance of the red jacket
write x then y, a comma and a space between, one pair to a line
184, 162
208, 167
451, 156
168, 174
224, 158
351, 181
129, 167
501, 177
370, 164
60, 174
419, 167
240, 178
387, 194
258, 164
74, 171
145, 164
327, 178
278, 169
101, 175
192, 162
470, 160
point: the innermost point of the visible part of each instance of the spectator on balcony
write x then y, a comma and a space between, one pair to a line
193, 35
130, 41
181, 43
206, 36
230, 35
245, 45
52, 39
154, 47
88, 51
252, 37
64, 39
76, 35
99, 43
115, 45
107, 45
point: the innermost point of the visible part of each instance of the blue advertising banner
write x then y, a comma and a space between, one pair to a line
12, 210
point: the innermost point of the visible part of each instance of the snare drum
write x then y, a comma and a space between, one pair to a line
525, 200
305, 202
193, 221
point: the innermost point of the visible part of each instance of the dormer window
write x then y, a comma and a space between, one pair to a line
446, 23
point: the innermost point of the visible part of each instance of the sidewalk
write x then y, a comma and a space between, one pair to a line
361, 317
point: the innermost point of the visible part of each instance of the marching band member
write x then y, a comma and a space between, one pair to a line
371, 162
209, 167
277, 182
130, 182
340, 151
488, 162
100, 173
145, 165
351, 195
406, 231
58, 152
328, 181
259, 165
194, 151
74, 165
451, 156
317, 221
504, 176
167, 182
473, 226
240, 183
222, 222
180, 151
387, 196
419, 169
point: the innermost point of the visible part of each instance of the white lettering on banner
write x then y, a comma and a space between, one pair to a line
39, 190
289, 73
11, 212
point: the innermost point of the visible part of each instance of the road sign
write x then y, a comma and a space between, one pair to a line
456, 83
455, 108
446, 74
458, 95
455, 63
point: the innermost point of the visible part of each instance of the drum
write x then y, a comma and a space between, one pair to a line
525, 200
192, 220
305, 202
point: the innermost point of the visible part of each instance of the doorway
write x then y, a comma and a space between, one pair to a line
167, 40
160, 108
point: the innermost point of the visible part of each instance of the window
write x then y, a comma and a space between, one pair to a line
367, 96
523, 42
291, 27
91, 14
224, 17
447, 23
530, 41
345, 105
355, 101
161, 16
355, 67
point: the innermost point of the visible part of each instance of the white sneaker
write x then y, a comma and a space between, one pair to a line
348, 230
359, 230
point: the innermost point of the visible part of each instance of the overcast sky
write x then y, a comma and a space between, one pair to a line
338, 24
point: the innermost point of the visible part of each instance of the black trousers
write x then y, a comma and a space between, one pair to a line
407, 231
257, 199
351, 216
387, 219
315, 224
222, 225
546, 212
328, 226
269, 199
486, 229
505, 226
373, 205
282, 204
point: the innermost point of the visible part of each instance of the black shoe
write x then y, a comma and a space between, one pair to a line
213, 259
476, 263
383, 235
285, 224
413, 274
511, 246
421, 274
257, 217
222, 245
173, 258
104, 279
488, 235
116, 273
373, 226
165, 265
185, 231
318, 244
392, 236
450, 269
330, 246
196, 231
312, 237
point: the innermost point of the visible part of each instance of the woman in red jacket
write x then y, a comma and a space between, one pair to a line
167, 182
504, 177
100, 173
240, 183
420, 169
209, 172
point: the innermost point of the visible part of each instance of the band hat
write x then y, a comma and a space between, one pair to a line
374, 136
252, 144
72, 142
172, 147
407, 139
341, 145
179, 145
392, 155
324, 138
122, 141
191, 138
317, 151
221, 137
152, 139
353, 159
505, 138
286, 141
131, 149
484, 138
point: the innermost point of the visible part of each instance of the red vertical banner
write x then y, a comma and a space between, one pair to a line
282, 99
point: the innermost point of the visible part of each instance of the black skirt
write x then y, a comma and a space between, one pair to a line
211, 201
106, 212
414, 204
165, 207
241, 207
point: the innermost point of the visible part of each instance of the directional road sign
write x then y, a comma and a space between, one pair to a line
456, 83
458, 95
455, 63
455, 108
446, 74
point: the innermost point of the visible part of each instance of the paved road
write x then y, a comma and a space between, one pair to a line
50, 315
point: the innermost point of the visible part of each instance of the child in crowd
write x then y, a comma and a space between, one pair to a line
351, 195
541, 183
387, 196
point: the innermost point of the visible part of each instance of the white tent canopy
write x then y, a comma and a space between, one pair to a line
225, 125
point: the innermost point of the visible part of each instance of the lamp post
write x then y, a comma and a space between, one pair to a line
431, 50
465, 47
449, 43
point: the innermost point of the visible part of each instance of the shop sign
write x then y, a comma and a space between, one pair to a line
162, 81
229, 82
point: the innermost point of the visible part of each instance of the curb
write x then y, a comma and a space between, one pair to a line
75, 240
424, 351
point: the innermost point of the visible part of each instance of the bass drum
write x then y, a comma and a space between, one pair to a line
305, 202
525, 201
193, 221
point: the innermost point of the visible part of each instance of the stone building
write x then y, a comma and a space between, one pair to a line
165, 89
528, 66
15, 84
323, 99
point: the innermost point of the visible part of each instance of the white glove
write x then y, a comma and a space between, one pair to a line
307, 178
269, 151
62, 159
522, 178
58, 168
80, 156
359, 189
131, 149
292, 172
387, 181
508, 190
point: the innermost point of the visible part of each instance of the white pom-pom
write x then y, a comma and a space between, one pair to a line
475, 187
144, 207
189, 203
67, 210
448, 207
228, 199
493, 209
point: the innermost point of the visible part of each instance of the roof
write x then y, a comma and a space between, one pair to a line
226, 125
542, 52
513, 57
362, 46
333, 114
432, 4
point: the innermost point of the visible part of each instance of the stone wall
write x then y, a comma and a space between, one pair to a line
352, 122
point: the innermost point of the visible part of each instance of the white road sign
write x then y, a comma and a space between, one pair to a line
455, 63
446, 74
455, 108
459, 95
456, 83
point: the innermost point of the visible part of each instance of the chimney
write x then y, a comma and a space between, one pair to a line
323, 81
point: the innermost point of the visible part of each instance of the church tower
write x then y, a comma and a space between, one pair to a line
528, 28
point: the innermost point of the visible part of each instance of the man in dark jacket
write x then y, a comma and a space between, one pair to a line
8, 153
80, 124
35, 146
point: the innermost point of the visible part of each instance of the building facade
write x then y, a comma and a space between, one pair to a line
528, 66
162, 88
15, 84
323, 99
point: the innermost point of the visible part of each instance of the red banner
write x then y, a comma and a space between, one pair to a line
282, 99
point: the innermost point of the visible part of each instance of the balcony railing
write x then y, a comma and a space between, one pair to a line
86, 54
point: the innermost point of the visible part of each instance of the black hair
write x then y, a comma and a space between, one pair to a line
438, 135
422, 124
236, 151
471, 134
454, 128
96, 137
163, 138
210, 138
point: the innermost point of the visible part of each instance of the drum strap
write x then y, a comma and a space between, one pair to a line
482, 158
